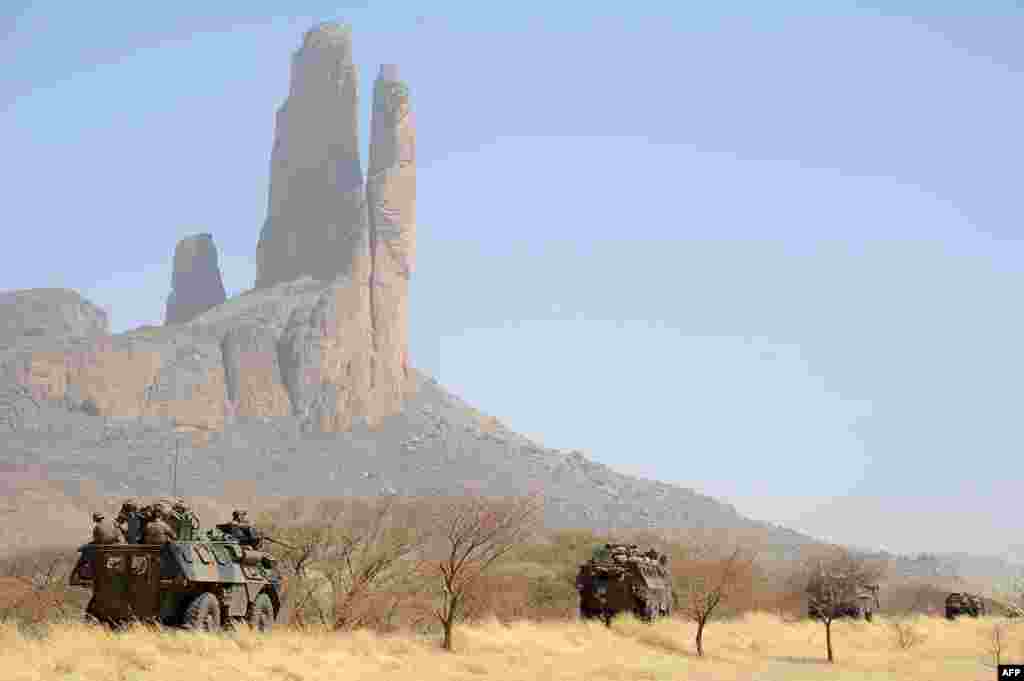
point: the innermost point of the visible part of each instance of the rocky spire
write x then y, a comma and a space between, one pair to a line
196, 284
316, 221
391, 200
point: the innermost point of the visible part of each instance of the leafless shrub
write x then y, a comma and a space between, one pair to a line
34, 589
836, 577
473, 532
338, 561
996, 644
905, 635
703, 583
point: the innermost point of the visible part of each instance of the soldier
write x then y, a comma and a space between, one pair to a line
188, 522
104, 532
129, 521
242, 530
157, 530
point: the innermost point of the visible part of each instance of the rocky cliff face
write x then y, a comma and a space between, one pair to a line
346, 358
196, 284
323, 336
316, 221
391, 196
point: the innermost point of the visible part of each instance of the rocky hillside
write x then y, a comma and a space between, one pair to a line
59, 458
302, 384
436, 444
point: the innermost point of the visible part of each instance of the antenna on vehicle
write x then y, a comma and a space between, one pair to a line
174, 475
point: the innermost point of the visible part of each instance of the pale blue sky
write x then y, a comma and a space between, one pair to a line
775, 257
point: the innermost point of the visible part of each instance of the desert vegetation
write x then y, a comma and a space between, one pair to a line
474, 588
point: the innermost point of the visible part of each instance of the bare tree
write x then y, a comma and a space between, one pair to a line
1011, 596
704, 582
474, 533
36, 586
350, 549
835, 582
997, 643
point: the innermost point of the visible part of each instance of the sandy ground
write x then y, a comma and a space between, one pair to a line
759, 647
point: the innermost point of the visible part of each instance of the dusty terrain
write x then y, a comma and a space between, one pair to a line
758, 646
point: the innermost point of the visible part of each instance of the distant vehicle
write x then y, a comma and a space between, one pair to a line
964, 604
618, 578
194, 582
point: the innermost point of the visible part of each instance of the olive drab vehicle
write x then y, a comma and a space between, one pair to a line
192, 579
618, 578
964, 604
862, 603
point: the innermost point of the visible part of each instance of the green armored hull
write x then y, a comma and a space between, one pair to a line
193, 583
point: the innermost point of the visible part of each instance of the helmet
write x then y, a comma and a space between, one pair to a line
240, 515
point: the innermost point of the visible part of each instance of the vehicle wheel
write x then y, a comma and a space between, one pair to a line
261, 614
202, 614
92, 616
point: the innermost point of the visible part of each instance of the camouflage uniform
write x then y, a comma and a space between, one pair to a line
242, 531
158, 532
104, 531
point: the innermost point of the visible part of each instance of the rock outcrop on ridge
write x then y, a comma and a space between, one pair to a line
391, 196
324, 334
196, 284
40, 312
316, 222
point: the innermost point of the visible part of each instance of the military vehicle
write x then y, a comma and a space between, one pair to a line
196, 581
618, 578
964, 604
862, 603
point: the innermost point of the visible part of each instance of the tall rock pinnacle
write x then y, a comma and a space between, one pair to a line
316, 221
391, 200
196, 284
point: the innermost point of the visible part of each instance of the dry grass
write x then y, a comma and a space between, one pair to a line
758, 646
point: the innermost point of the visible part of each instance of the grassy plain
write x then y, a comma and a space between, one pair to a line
756, 646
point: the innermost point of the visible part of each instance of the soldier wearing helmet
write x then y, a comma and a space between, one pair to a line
241, 530
158, 530
104, 531
188, 521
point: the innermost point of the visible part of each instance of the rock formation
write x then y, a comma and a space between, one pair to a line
391, 198
323, 336
346, 357
316, 221
47, 312
196, 284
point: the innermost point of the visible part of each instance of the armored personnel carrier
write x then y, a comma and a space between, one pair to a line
964, 604
618, 578
204, 581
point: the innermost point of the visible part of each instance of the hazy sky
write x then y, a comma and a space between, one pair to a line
774, 257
